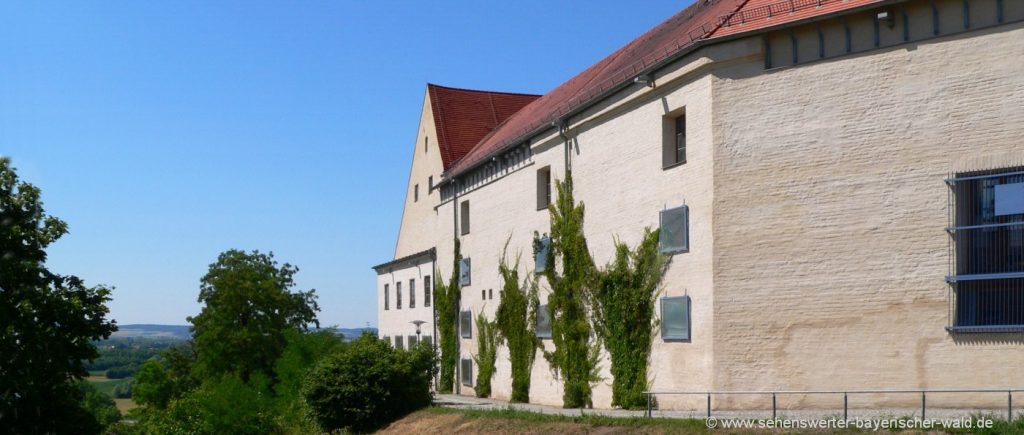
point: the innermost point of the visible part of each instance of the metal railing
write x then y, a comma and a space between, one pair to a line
845, 393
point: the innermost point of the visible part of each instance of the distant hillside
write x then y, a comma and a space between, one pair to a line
153, 331
181, 331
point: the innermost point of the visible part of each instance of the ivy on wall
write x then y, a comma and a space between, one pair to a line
516, 321
487, 341
446, 300
576, 356
623, 297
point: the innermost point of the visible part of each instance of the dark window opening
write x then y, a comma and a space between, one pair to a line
674, 141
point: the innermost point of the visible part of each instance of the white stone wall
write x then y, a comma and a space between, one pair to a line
398, 321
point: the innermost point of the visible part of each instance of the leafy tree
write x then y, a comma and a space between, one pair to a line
248, 310
368, 384
99, 405
153, 386
225, 405
446, 305
624, 294
575, 356
304, 351
516, 321
488, 341
48, 322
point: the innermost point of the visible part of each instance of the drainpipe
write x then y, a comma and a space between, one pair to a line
458, 303
433, 313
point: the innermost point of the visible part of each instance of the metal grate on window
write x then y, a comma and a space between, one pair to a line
675, 230
466, 374
464, 272
466, 324
675, 318
543, 328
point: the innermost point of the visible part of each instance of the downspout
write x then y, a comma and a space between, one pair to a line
458, 303
433, 313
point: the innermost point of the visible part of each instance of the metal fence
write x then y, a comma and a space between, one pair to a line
844, 393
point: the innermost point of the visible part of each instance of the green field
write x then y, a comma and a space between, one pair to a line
106, 386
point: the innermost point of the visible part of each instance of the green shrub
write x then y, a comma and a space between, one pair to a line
368, 384
227, 405
488, 341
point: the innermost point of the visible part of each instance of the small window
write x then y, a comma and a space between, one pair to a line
427, 295
464, 221
543, 322
490, 294
427, 340
426, 141
543, 187
675, 318
483, 294
412, 341
387, 298
466, 374
398, 342
412, 293
675, 230
416, 193
542, 249
466, 324
673, 151
430, 184
398, 295
464, 272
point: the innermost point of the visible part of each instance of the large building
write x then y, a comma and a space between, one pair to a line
844, 180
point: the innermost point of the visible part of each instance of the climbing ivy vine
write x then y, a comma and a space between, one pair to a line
516, 320
446, 300
487, 341
623, 297
576, 356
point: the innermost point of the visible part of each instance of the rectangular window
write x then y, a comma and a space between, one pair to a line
543, 187
386, 298
490, 294
427, 294
675, 318
543, 328
412, 341
398, 342
675, 230
398, 295
466, 324
430, 184
426, 142
427, 340
465, 278
466, 374
483, 294
464, 217
412, 293
987, 251
541, 251
673, 148
416, 193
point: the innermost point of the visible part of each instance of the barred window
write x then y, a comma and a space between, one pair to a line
986, 265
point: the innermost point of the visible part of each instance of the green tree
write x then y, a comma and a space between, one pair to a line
516, 320
224, 405
368, 384
446, 305
488, 341
48, 322
99, 405
576, 356
153, 386
249, 307
623, 297
304, 351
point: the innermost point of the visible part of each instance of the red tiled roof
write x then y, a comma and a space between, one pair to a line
463, 117
704, 19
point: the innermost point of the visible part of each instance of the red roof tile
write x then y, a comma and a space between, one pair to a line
705, 19
463, 117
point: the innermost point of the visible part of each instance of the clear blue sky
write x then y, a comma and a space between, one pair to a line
167, 132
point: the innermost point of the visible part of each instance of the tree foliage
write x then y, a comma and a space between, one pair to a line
367, 384
249, 306
516, 321
48, 322
446, 305
576, 356
153, 385
623, 297
487, 340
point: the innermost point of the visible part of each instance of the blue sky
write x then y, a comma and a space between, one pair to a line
167, 132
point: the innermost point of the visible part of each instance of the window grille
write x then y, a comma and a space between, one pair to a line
675, 230
986, 252
675, 318
543, 329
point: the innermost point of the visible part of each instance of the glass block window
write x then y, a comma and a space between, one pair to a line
464, 272
542, 254
675, 318
543, 322
675, 230
466, 324
466, 372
